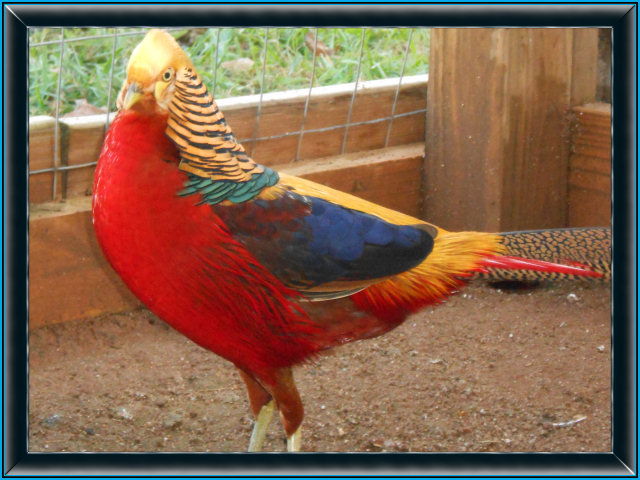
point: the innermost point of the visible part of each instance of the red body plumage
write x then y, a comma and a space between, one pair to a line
179, 259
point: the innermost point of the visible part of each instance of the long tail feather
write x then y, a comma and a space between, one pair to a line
540, 267
557, 254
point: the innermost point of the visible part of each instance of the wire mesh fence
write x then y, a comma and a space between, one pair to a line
78, 72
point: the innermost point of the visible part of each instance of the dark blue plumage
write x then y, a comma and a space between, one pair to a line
343, 233
309, 242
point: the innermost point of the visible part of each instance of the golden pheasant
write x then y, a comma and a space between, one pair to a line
265, 269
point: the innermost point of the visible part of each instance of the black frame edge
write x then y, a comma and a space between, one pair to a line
15, 214
17, 461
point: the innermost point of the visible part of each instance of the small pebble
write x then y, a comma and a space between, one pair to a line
572, 298
124, 413
389, 444
52, 420
173, 421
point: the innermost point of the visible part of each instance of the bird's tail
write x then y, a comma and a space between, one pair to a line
557, 254
516, 256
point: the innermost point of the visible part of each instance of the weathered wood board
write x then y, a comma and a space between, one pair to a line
590, 166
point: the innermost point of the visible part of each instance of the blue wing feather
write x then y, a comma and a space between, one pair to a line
307, 241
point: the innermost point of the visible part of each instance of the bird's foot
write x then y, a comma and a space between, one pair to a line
293, 441
260, 427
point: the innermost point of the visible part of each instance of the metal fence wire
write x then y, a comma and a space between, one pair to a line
73, 71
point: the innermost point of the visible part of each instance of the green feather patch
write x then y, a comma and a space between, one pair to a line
214, 192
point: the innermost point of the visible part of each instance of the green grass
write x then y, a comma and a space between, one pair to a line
289, 60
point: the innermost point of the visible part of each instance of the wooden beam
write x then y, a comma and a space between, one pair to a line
497, 147
69, 279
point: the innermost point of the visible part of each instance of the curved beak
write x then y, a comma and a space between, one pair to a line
131, 96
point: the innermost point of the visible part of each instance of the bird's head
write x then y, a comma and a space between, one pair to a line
151, 73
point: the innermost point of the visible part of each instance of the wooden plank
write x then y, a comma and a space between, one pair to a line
592, 144
589, 202
592, 149
595, 122
593, 117
405, 130
41, 156
84, 137
497, 136
389, 177
593, 133
584, 74
604, 64
590, 180
41, 187
589, 208
592, 126
591, 164
68, 275
597, 109
281, 113
319, 142
41, 142
69, 278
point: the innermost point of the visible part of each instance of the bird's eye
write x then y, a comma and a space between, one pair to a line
168, 74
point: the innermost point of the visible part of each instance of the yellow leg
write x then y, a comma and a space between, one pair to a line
260, 427
293, 442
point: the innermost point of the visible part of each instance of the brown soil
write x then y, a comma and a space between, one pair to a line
487, 371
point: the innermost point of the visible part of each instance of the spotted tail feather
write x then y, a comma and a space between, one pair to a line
550, 255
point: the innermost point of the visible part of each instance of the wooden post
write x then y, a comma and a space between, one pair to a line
497, 139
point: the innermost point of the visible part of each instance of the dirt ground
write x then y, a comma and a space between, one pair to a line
489, 370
